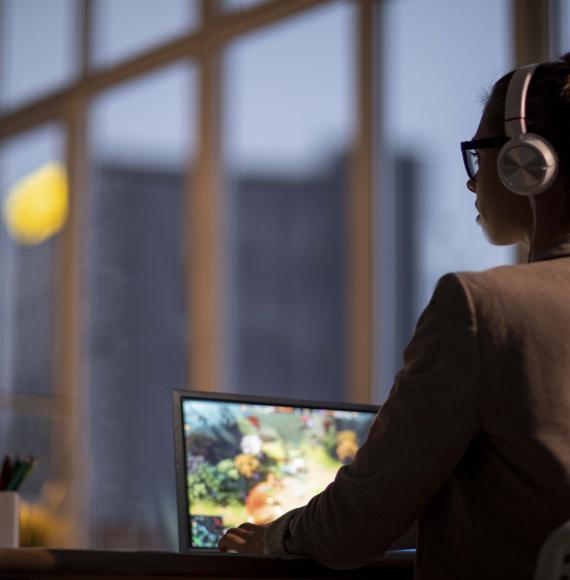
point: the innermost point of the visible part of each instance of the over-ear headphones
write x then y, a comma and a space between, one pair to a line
527, 164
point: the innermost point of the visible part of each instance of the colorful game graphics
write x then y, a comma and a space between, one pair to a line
254, 462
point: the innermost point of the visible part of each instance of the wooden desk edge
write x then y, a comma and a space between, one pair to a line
28, 562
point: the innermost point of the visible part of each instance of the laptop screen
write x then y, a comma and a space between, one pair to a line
242, 459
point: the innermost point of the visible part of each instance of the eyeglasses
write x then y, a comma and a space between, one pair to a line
469, 152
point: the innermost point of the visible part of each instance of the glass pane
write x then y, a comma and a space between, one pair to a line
234, 5
37, 51
28, 283
142, 136
123, 29
432, 101
289, 105
561, 27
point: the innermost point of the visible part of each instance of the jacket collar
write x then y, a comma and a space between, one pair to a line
558, 248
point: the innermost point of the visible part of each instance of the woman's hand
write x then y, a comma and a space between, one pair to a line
246, 539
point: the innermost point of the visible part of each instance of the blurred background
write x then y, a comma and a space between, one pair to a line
248, 196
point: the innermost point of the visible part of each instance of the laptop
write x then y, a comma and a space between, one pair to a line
251, 459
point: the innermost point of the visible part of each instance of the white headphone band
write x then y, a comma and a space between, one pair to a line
515, 101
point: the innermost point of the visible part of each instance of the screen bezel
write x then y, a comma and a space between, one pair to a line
178, 397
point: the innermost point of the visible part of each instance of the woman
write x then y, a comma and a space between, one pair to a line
474, 439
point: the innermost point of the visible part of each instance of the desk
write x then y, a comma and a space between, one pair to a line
44, 564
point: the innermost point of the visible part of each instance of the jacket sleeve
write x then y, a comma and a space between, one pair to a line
413, 446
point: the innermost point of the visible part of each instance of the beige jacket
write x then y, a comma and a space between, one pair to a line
474, 439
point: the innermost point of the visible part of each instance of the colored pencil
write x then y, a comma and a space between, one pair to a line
14, 472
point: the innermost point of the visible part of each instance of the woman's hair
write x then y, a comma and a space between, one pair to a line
547, 107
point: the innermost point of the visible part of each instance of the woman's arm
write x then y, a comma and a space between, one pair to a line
414, 444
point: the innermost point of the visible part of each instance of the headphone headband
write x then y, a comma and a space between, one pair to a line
515, 101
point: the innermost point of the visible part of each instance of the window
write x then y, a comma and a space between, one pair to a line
32, 409
123, 29
560, 23
29, 70
231, 5
431, 101
137, 320
288, 134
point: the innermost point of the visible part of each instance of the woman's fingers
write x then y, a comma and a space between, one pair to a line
249, 527
245, 539
233, 539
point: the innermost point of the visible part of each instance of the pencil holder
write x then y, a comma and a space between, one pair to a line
9, 519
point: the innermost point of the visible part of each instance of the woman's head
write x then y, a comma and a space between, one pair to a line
547, 104
506, 216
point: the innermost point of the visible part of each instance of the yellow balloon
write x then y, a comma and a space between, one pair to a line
37, 206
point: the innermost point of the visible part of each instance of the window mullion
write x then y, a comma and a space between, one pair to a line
359, 208
203, 241
71, 327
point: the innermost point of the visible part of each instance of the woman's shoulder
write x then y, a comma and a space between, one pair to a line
515, 283
493, 277
471, 282
512, 276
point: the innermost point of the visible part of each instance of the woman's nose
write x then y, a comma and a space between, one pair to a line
471, 185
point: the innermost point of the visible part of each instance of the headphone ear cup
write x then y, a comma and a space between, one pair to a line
527, 164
